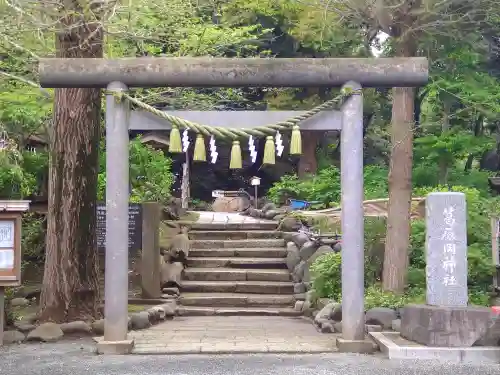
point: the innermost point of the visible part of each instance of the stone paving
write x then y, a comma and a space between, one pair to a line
233, 334
77, 358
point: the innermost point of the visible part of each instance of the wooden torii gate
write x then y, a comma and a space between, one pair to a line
118, 75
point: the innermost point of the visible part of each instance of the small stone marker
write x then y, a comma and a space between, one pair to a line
446, 249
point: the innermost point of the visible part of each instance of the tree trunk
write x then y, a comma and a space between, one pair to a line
308, 163
70, 289
397, 240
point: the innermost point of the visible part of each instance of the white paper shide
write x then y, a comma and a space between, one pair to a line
6, 234
6, 244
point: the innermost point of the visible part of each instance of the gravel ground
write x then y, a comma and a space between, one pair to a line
77, 359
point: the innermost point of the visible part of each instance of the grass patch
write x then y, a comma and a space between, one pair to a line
137, 308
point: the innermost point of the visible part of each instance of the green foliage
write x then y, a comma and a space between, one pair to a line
450, 146
150, 174
33, 239
15, 181
326, 271
376, 297
325, 186
375, 182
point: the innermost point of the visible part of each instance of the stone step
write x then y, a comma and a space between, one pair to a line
235, 274
236, 300
258, 287
231, 244
233, 235
270, 252
236, 262
265, 225
237, 311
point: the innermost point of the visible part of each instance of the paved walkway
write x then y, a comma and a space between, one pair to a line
76, 358
226, 218
233, 334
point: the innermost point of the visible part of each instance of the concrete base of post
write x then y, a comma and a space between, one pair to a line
356, 346
115, 347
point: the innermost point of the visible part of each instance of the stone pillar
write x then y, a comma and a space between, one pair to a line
117, 203
351, 156
150, 261
446, 249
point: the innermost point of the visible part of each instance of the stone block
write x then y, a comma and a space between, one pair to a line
446, 326
292, 257
382, 316
372, 328
492, 335
115, 347
356, 346
308, 249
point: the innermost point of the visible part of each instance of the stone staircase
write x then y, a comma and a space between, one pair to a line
236, 269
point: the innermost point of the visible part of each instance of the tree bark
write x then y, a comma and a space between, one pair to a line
308, 163
400, 184
70, 289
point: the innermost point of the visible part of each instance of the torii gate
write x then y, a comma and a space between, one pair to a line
119, 74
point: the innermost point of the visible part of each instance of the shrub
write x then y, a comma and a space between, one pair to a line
150, 174
326, 272
325, 186
15, 181
376, 297
33, 239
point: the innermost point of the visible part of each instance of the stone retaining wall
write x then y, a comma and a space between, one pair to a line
27, 328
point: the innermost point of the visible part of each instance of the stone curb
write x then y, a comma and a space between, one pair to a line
486, 355
163, 351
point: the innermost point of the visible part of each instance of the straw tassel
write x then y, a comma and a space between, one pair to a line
200, 152
269, 151
175, 145
296, 141
236, 162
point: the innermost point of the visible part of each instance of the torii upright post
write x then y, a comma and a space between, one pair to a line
117, 202
352, 216
225, 72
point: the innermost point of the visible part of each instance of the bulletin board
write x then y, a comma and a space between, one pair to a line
10, 249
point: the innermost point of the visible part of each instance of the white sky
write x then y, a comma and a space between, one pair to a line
382, 37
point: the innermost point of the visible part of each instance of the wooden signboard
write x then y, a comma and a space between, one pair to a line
134, 227
10, 250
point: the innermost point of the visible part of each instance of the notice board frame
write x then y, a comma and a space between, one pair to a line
12, 277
